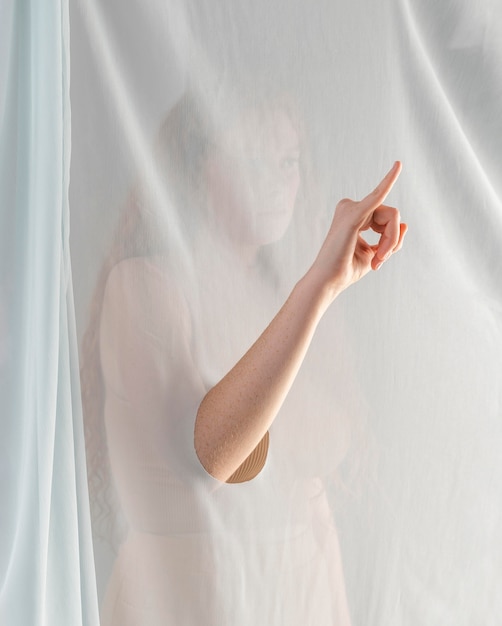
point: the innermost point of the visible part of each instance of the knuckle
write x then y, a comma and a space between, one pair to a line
345, 203
394, 214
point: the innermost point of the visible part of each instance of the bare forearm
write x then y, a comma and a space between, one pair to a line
236, 413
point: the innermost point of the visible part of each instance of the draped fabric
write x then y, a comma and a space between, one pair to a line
210, 145
46, 571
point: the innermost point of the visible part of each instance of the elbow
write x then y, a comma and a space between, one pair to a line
208, 451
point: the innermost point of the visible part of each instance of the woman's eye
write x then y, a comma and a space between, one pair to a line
254, 162
290, 162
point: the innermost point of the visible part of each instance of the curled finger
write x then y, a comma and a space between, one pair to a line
386, 220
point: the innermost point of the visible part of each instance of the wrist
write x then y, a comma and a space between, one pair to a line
321, 292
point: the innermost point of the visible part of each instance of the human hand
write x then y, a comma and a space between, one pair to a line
345, 256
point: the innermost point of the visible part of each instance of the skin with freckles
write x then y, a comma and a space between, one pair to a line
237, 412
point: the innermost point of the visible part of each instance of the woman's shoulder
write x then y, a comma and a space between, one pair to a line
144, 277
144, 287
141, 271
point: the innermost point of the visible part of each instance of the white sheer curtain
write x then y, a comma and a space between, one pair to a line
46, 574
391, 432
211, 143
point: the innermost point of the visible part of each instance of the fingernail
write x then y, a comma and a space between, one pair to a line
378, 265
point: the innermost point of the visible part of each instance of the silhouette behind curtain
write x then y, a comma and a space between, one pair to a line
211, 145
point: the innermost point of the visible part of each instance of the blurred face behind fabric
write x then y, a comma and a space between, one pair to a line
253, 177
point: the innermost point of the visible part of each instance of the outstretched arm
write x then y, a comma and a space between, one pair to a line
236, 413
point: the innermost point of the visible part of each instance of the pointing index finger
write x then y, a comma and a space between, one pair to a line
382, 190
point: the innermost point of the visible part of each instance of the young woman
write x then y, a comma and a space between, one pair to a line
190, 367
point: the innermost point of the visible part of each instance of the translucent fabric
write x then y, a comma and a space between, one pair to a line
211, 143
46, 561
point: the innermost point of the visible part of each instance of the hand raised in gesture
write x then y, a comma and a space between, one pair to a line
345, 256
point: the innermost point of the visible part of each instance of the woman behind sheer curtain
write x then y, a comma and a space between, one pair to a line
193, 414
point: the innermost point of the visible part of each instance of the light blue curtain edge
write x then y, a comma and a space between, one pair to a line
49, 576
88, 587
